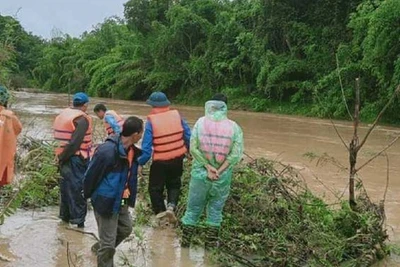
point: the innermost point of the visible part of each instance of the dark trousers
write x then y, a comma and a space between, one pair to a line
73, 206
112, 231
165, 174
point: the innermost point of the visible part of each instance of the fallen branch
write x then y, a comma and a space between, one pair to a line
83, 232
69, 264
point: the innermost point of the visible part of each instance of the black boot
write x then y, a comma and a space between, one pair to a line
187, 234
212, 238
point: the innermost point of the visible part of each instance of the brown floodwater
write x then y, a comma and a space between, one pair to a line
36, 238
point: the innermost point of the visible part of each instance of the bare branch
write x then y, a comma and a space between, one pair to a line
334, 126
379, 117
83, 232
353, 148
339, 135
387, 178
356, 112
341, 87
379, 153
16, 13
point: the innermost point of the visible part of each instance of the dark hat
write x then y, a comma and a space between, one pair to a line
158, 99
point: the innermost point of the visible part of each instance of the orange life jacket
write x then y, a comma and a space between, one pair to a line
117, 117
64, 128
168, 140
10, 128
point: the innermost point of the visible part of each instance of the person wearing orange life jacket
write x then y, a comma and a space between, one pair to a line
10, 128
166, 138
216, 146
73, 134
111, 183
112, 121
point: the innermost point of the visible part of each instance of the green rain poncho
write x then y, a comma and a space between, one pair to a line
214, 139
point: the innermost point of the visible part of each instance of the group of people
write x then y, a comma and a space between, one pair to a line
109, 173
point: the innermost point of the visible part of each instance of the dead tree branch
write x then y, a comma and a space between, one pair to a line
339, 135
353, 151
379, 153
387, 178
341, 87
379, 117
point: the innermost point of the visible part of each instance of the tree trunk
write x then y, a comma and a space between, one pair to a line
354, 148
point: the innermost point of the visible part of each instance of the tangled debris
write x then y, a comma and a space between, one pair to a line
272, 219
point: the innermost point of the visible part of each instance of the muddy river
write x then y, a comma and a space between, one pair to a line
36, 238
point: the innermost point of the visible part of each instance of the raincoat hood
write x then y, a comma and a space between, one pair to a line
216, 110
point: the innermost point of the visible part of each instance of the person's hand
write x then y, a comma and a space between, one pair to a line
212, 173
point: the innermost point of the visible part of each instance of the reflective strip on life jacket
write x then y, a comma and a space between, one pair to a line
117, 117
64, 128
216, 139
168, 140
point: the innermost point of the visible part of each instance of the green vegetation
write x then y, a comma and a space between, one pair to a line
38, 184
272, 219
278, 56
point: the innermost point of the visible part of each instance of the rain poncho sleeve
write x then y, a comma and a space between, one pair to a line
195, 151
236, 153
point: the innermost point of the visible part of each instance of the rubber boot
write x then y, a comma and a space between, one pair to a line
187, 234
212, 238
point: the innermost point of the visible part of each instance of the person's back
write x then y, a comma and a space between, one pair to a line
216, 145
166, 139
73, 134
10, 128
216, 133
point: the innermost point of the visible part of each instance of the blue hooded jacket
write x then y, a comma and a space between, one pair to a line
107, 175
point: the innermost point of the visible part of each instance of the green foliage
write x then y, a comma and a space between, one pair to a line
38, 186
276, 56
19, 53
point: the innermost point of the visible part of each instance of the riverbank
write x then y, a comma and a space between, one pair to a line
271, 218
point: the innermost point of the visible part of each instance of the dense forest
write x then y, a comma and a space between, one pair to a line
266, 55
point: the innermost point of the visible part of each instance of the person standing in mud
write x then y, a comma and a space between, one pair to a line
166, 139
111, 183
112, 120
73, 134
10, 128
216, 146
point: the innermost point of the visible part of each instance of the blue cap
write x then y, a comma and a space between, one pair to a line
158, 99
80, 98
